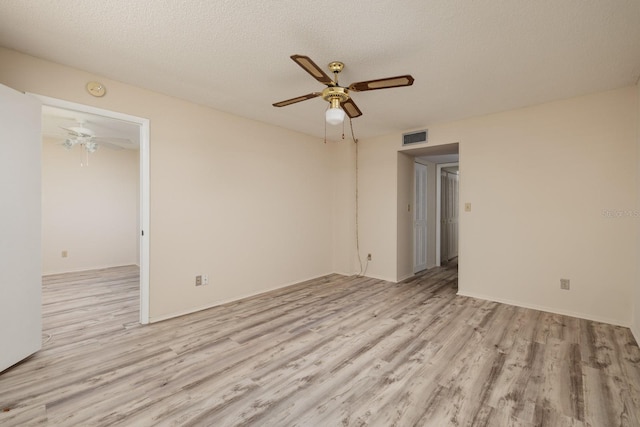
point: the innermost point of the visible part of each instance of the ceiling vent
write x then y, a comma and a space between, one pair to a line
417, 137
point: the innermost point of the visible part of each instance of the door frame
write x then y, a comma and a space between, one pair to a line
415, 210
144, 186
440, 166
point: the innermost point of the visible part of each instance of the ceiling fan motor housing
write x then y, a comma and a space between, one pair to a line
335, 94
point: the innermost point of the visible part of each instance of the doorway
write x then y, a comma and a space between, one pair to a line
419, 235
449, 211
108, 121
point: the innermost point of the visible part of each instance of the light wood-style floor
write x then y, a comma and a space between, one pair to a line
335, 351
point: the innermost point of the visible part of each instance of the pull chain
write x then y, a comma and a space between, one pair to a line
325, 131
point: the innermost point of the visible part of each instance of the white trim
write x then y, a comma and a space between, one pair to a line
426, 214
579, 315
439, 205
144, 186
144, 221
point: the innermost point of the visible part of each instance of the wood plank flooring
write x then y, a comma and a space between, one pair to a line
335, 351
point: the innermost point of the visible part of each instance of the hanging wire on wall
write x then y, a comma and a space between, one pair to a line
362, 272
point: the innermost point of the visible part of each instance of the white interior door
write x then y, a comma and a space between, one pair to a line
449, 216
20, 222
453, 216
444, 215
420, 219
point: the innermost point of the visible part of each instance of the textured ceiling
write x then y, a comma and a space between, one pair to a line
468, 57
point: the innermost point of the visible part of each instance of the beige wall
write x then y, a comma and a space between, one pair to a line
539, 180
247, 203
89, 211
378, 177
343, 170
258, 207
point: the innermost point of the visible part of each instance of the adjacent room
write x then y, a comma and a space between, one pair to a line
294, 214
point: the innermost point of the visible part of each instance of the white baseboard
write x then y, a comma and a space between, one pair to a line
154, 319
81, 269
579, 315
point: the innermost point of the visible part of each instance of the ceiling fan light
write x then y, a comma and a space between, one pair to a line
91, 146
334, 116
68, 144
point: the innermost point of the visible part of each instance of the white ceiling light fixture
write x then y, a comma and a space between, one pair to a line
334, 114
90, 146
86, 143
80, 135
69, 143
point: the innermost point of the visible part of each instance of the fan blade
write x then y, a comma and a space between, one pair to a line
311, 68
121, 143
297, 99
78, 131
389, 82
351, 108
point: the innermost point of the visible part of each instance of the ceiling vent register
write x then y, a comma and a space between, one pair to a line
418, 137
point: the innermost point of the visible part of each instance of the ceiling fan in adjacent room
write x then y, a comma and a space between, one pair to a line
338, 96
86, 138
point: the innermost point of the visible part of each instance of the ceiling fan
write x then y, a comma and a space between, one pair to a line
85, 137
338, 96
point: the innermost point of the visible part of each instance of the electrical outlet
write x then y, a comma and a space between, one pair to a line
369, 257
205, 280
65, 254
565, 284
198, 280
